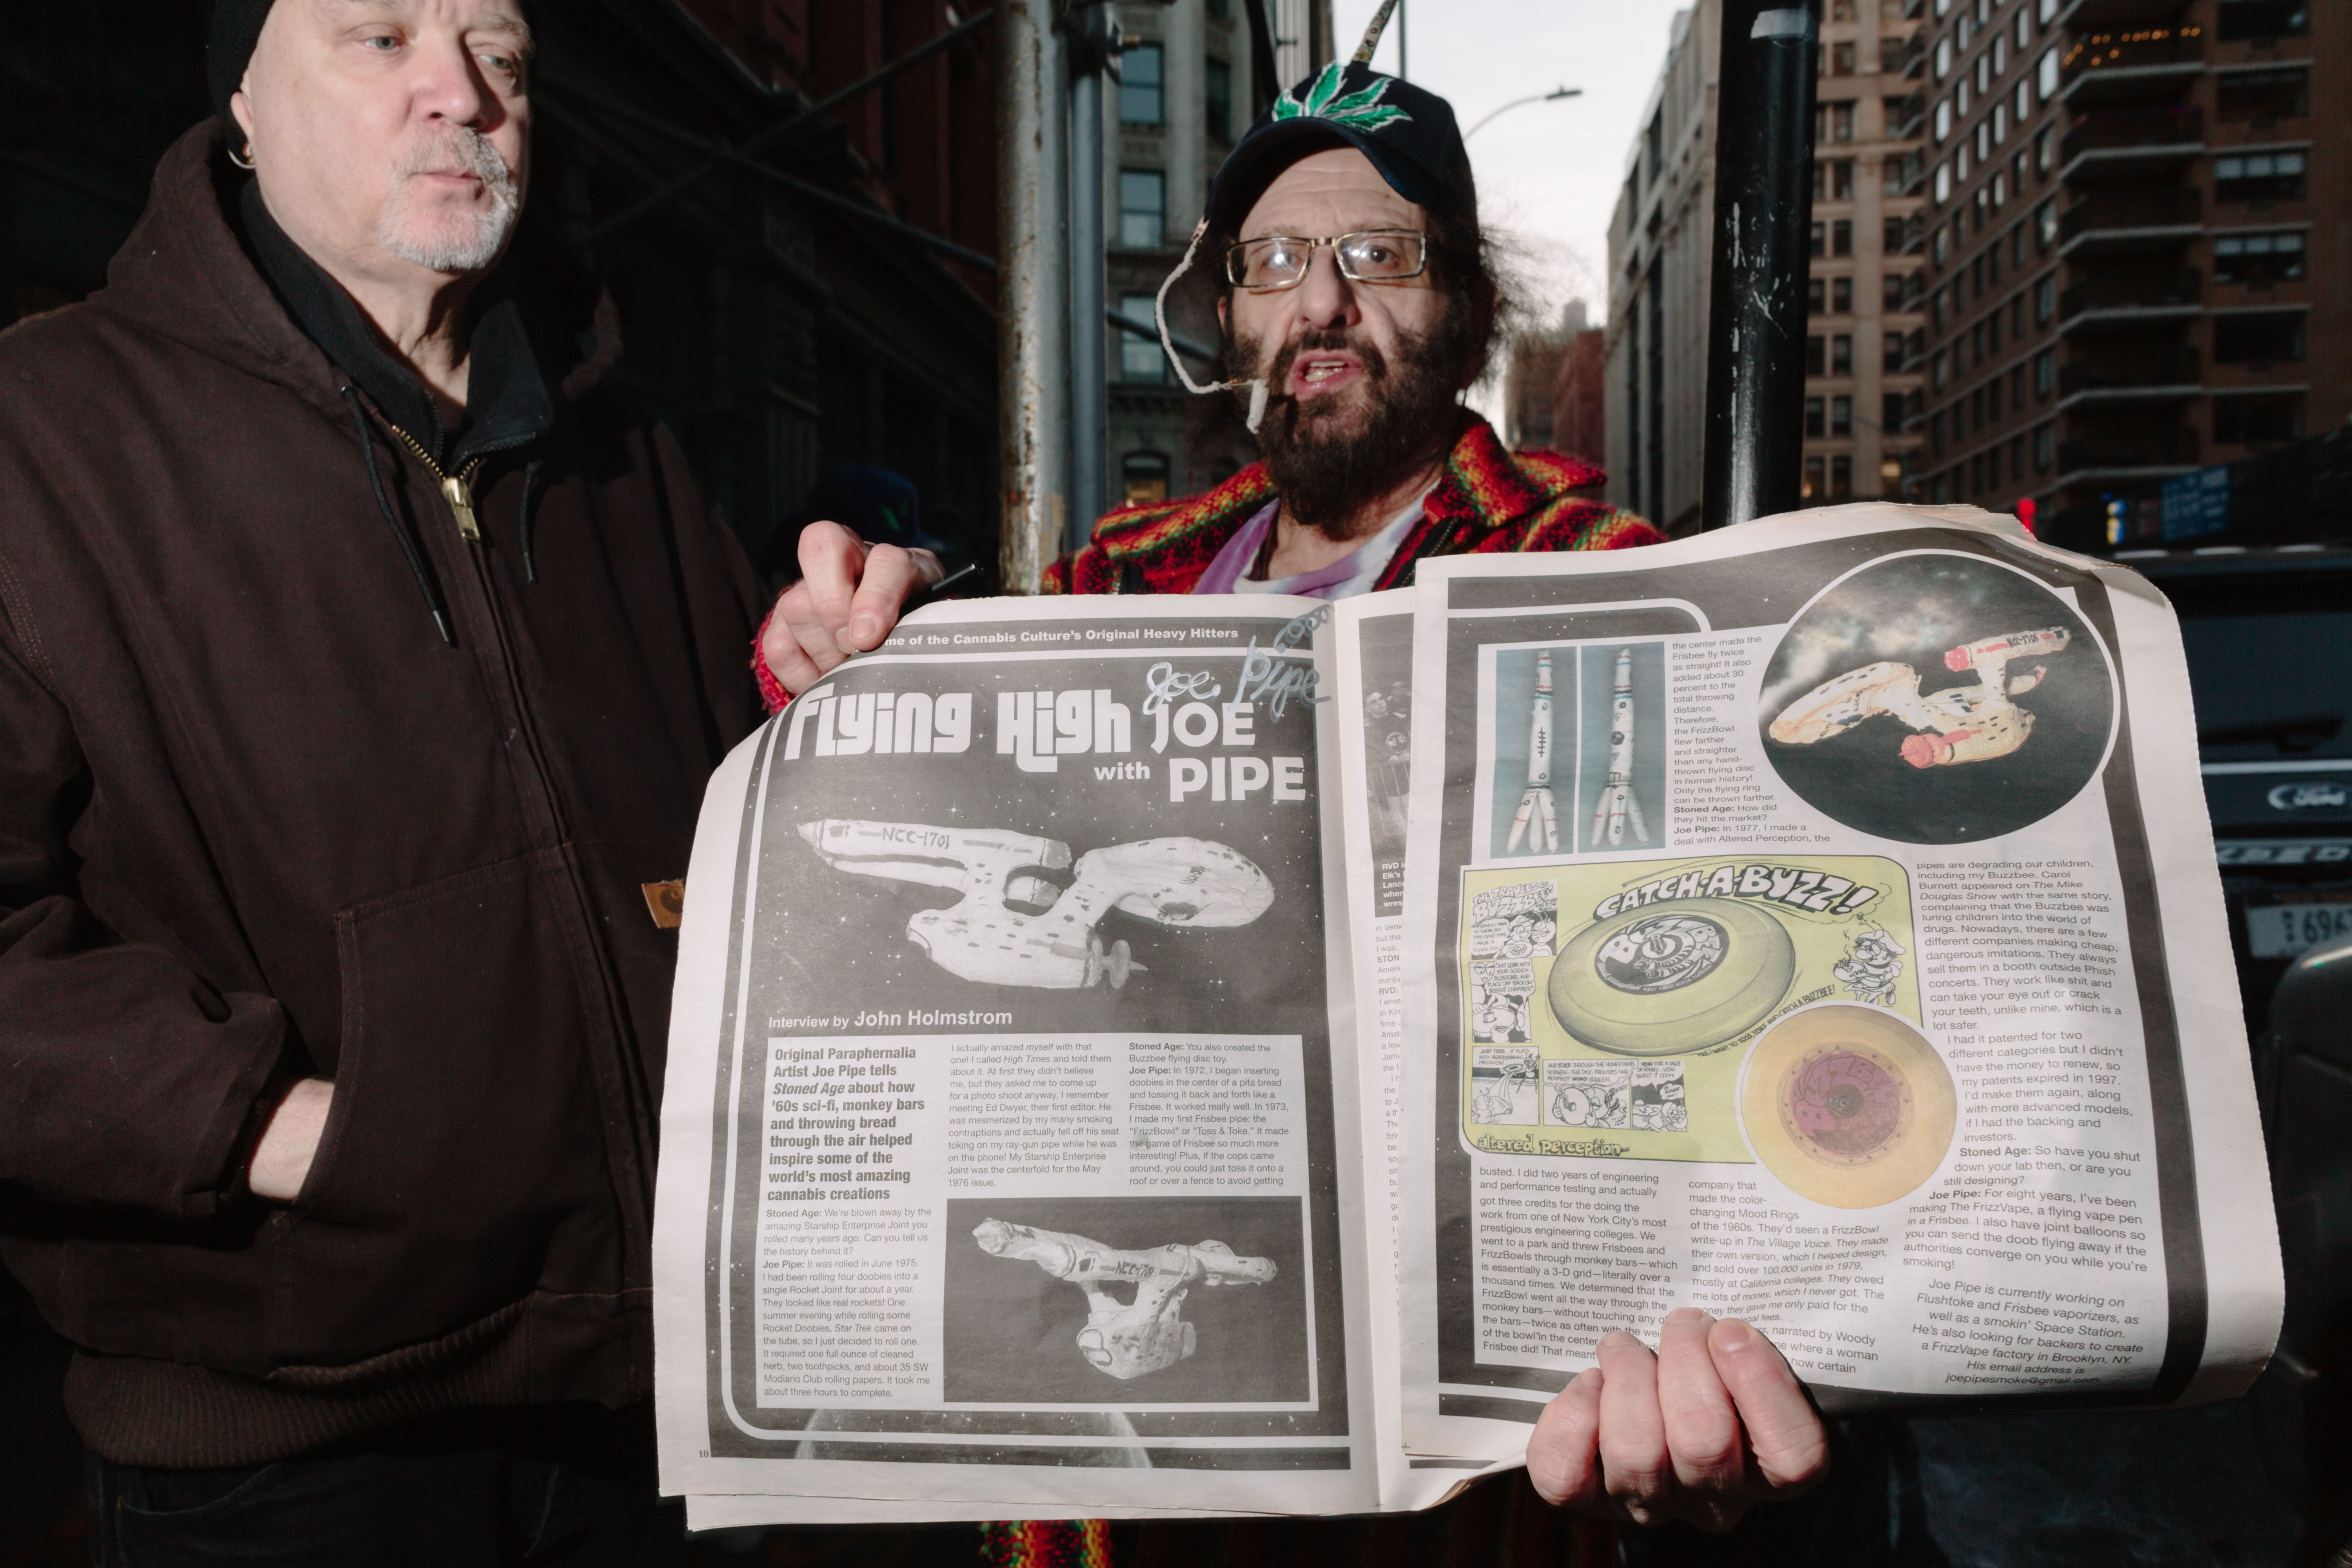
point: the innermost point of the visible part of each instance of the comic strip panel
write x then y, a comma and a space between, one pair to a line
1649, 984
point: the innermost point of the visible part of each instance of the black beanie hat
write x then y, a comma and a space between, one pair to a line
236, 27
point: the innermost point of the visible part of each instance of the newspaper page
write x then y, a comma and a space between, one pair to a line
1010, 1153
1817, 921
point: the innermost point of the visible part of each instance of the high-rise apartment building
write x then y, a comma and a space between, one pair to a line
1864, 291
1185, 94
2137, 260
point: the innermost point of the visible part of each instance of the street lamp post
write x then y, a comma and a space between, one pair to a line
1532, 97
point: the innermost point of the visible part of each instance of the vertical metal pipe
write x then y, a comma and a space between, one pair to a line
1032, 292
1763, 217
1089, 370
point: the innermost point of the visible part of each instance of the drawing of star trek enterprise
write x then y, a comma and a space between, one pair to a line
1016, 927
1127, 1338
1971, 724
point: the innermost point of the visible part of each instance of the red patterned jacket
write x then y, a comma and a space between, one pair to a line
1489, 500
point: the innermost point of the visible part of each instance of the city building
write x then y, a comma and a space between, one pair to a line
1579, 399
2137, 250
779, 319
1532, 364
1864, 289
1186, 92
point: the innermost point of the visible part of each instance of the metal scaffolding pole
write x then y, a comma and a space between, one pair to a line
1094, 41
1032, 292
1763, 214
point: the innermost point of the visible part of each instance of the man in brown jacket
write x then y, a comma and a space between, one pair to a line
362, 661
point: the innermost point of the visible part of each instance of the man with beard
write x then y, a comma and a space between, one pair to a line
361, 663
1357, 306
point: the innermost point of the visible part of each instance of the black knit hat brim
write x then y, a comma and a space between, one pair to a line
236, 27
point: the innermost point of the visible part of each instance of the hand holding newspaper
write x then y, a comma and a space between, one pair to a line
1243, 1055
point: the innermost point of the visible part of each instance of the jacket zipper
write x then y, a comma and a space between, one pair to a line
457, 491
456, 488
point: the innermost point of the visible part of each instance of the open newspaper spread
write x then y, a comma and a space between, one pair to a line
1239, 1055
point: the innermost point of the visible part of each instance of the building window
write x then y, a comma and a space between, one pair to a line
1841, 478
2045, 225
1841, 354
1842, 237
1842, 296
1140, 76
2017, 246
2258, 417
1142, 208
1841, 416
1816, 363
1938, 370
1816, 295
1890, 245
2045, 442
2258, 339
1143, 476
1890, 413
1943, 58
1815, 425
1842, 180
1818, 230
1217, 93
2265, 96
1941, 248
1936, 432
1891, 355
2045, 372
1816, 479
1943, 119
2259, 177
1943, 188
1992, 402
2244, 19
1841, 59
2257, 260
1139, 358
2045, 300
1842, 121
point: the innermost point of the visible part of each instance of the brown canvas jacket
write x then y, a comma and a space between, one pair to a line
259, 821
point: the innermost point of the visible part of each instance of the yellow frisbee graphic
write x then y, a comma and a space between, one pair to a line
1668, 977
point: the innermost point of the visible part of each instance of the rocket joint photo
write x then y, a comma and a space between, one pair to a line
1617, 810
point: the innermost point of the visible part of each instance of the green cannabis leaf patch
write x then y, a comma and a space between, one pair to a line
1361, 109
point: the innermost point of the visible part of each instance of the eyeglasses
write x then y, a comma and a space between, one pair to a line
1372, 255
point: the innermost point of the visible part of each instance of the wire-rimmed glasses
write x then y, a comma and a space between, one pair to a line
1368, 256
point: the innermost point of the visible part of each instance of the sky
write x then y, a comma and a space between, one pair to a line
1548, 173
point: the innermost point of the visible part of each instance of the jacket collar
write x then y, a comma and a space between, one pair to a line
508, 403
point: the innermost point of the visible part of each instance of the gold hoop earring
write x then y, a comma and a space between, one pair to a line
242, 160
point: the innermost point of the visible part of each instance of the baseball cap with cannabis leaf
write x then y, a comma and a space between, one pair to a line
1409, 135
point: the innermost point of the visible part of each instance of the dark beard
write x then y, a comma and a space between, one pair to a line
1325, 476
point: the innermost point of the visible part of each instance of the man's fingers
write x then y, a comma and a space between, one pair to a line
1564, 1453
1785, 1433
1703, 1439
832, 560
780, 647
891, 575
801, 644
1633, 1436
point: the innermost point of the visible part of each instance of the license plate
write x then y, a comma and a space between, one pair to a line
2287, 931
